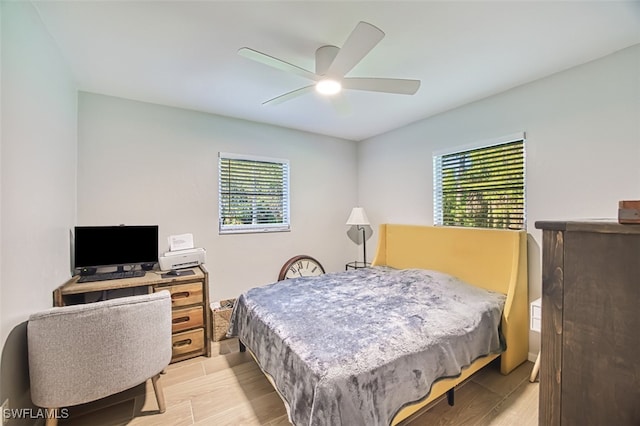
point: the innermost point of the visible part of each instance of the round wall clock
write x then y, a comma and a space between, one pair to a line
300, 266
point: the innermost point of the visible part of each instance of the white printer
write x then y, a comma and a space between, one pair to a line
178, 259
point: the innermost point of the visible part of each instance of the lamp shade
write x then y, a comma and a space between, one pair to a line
358, 217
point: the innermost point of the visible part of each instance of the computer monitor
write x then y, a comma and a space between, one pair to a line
100, 246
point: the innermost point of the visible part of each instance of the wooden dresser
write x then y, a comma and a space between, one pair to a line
590, 360
191, 322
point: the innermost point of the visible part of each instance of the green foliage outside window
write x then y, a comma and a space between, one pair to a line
481, 187
254, 194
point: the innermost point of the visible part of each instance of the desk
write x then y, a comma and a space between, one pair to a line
356, 265
191, 318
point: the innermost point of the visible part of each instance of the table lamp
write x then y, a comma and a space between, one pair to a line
359, 218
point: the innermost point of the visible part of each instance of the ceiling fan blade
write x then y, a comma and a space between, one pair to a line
360, 42
276, 63
289, 95
387, 85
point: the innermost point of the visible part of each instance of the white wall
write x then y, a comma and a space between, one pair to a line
141, 163
37, 179
583, 149
1, 133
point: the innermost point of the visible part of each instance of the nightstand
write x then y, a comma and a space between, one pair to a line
534, 325
356, 265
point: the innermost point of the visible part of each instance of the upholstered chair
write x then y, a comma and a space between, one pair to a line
82, 353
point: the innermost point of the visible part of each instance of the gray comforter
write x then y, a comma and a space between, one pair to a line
353, 348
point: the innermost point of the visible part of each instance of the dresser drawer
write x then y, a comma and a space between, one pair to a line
184, 294
187, 341
187, 318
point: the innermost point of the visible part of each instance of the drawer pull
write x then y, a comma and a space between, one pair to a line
185, 342
181, 319
180, 295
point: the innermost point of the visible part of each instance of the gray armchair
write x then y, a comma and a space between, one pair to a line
82, 353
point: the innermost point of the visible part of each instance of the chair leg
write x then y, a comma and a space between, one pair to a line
536, 368
157, 388
52, 417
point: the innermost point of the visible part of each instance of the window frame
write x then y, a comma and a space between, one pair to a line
245, 228
438, 207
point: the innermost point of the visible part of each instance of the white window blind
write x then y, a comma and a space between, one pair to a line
253, 194
481, 187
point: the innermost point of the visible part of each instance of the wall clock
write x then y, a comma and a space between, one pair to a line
300, 266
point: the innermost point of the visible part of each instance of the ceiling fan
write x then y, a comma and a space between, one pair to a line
333, 63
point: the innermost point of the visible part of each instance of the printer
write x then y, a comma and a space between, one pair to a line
186, 258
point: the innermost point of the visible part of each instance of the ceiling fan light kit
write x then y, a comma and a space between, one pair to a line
328, 86
333, 64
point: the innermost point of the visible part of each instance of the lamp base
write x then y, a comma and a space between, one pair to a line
356, 265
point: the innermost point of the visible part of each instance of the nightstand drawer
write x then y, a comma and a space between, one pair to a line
187, 318
187, 341
184, 294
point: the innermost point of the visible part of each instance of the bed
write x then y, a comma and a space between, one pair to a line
339, 352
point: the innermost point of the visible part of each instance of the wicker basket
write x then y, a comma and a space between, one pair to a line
221, 316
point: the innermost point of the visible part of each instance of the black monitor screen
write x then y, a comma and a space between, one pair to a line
115, 245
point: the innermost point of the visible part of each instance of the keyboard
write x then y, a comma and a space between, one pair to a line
111, 276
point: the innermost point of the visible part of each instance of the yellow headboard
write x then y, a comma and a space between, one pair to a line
492, 259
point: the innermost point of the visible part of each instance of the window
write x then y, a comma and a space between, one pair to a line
482, 186
253, 194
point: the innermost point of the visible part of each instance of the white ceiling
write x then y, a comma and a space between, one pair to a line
184, 53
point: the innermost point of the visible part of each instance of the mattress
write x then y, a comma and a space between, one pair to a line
353, 348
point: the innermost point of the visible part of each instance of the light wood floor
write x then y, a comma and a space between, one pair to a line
229, 389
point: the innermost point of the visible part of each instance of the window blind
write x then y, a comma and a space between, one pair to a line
481, 187
253, 194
